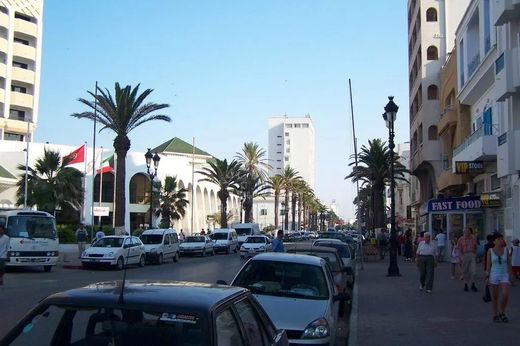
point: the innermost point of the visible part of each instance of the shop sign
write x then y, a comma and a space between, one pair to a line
454, 204
491, 200
469, 167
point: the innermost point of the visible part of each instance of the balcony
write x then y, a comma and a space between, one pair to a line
22, 100
426, 152
25, 27
481, 76
505, 10
480, 145
3, 44
3, 69
2, 98
24, 51
4, 20
447, 180
507, 74
448, 118
23, 75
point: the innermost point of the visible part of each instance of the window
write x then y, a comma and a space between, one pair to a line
305, 126
287, 134
420, 134
278, 136
279, 144
18, 89
21, 41
297, 125
288, 150
16, 114
252, 323
433, 92
432, 133
13, 137
431, 15
227, 329
495, 182
286, 158
289, 126
23, 17
432, 53
20, 65
278, 160
263, 211
288, 141
278, 152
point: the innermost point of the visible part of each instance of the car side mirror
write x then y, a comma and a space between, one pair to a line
221, 282
126, 246
342, 297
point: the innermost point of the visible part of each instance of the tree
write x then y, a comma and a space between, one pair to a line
121, 113
277, 184
173, 202
217, 218
289, 177
51, 184
226, 177
249, 188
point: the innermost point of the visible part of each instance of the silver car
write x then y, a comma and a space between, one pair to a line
298, 293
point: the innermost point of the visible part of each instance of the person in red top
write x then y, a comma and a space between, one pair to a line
467, 245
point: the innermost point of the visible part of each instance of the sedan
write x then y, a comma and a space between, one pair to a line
136, 313
298, 293
255, 244
197, 244
344, 251
117, 251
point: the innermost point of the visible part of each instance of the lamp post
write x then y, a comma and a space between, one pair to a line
149, 158
390, 115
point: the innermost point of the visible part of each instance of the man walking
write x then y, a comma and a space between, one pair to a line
4, 248
468, 248
440, 238
278, 242
382, 243
81, 238
426, 261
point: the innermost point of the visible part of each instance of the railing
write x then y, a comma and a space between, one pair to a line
484, 130
499, 64
473, 64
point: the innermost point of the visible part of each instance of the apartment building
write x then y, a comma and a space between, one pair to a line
20, 59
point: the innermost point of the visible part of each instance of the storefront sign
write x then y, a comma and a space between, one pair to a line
469, 167
454, 204
491, 200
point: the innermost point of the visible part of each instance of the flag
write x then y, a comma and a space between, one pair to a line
77, 156
107, 165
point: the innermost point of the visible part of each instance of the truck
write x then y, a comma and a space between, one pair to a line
244, 230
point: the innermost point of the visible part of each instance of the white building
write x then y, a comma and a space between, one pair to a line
20, 61
177, 160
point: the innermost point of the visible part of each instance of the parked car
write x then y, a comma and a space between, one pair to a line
347, 239
244, 230
148, 313
225, 240
344, 251
255, 244
298, 293
197, 244
116, 250
160, 245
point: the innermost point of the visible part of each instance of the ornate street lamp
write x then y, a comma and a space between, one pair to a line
149, 158
390, 116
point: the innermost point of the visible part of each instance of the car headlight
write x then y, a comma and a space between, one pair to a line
242, 248
261, 248
84, 254
316, 329
153, 250
110, 254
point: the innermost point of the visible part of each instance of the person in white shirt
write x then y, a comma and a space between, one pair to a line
440, 238
4, 248
426, 260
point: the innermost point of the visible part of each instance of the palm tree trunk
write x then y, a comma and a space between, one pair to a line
286, 225
248, 209
223, 212
379, 208
121, 146
293, 211
299, 212
276, 212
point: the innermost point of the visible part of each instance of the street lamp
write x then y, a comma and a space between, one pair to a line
389, 116
149, 158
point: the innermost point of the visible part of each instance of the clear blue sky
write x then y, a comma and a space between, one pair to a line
226, 66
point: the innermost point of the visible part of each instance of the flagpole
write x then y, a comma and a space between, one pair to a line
192, 183
93, 162
100, 183
26, 167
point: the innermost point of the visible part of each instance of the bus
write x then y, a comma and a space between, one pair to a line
33, 238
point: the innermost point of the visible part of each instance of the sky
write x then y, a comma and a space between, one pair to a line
226, 66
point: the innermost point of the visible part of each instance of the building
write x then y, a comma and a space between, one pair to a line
20, 61
431, 35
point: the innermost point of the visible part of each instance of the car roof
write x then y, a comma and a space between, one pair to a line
158, 231
328, 240
152, 295
288, 257
310, 248
222, 230
118, 236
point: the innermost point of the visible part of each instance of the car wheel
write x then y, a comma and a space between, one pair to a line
47, 269
120, 263
176, 257
160, 260
141, 261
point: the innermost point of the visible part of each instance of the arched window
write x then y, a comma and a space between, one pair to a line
432, 53
432, 133
431, 15
107, 190
433, 92
139, 189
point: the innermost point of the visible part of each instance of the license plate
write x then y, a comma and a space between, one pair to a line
251, 251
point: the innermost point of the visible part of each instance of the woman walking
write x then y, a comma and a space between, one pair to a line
499, 277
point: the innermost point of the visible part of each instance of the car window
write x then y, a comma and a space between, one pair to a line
109, 242
252, 323
127, 241
136, 241
166, 239
195, 239
228, 333
175, 238
41, 327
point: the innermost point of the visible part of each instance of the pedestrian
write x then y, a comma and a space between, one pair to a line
202, 232
382, 243
499, 277
81, 238
400, 239
440, 238
408, 243
100, 234
468, 249
515, 258
489, 244
426, 260
455, 260
4, 248
182, 236
277, 243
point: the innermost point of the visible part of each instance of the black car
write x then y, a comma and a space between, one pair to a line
147, 313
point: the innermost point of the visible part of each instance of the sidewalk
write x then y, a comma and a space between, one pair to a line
69, 257
392, 310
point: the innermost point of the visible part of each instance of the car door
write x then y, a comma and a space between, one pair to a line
127, 250
138, 246
167, 246
227, 329
209, 244
253, 325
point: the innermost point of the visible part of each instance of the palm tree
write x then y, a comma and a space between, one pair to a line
277, 184
121, 113
249, 188
50, 184
217, 218
289, 177
226, 176
363, 207
252, 158
173, 202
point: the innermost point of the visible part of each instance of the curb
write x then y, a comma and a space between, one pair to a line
353, 321
72, 266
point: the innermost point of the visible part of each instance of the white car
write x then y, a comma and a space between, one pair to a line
197, 244
118, 251
255, 244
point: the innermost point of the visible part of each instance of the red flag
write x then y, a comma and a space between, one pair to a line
77, 156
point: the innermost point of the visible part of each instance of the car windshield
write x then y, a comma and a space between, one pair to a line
29, 226
255, 240
151, 238
193, 239
219, 236
342, 249
285, 279
101, 326
243, 231
109, 242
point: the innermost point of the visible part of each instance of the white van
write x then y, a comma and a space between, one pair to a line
160, 245
244, 230
225, 240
